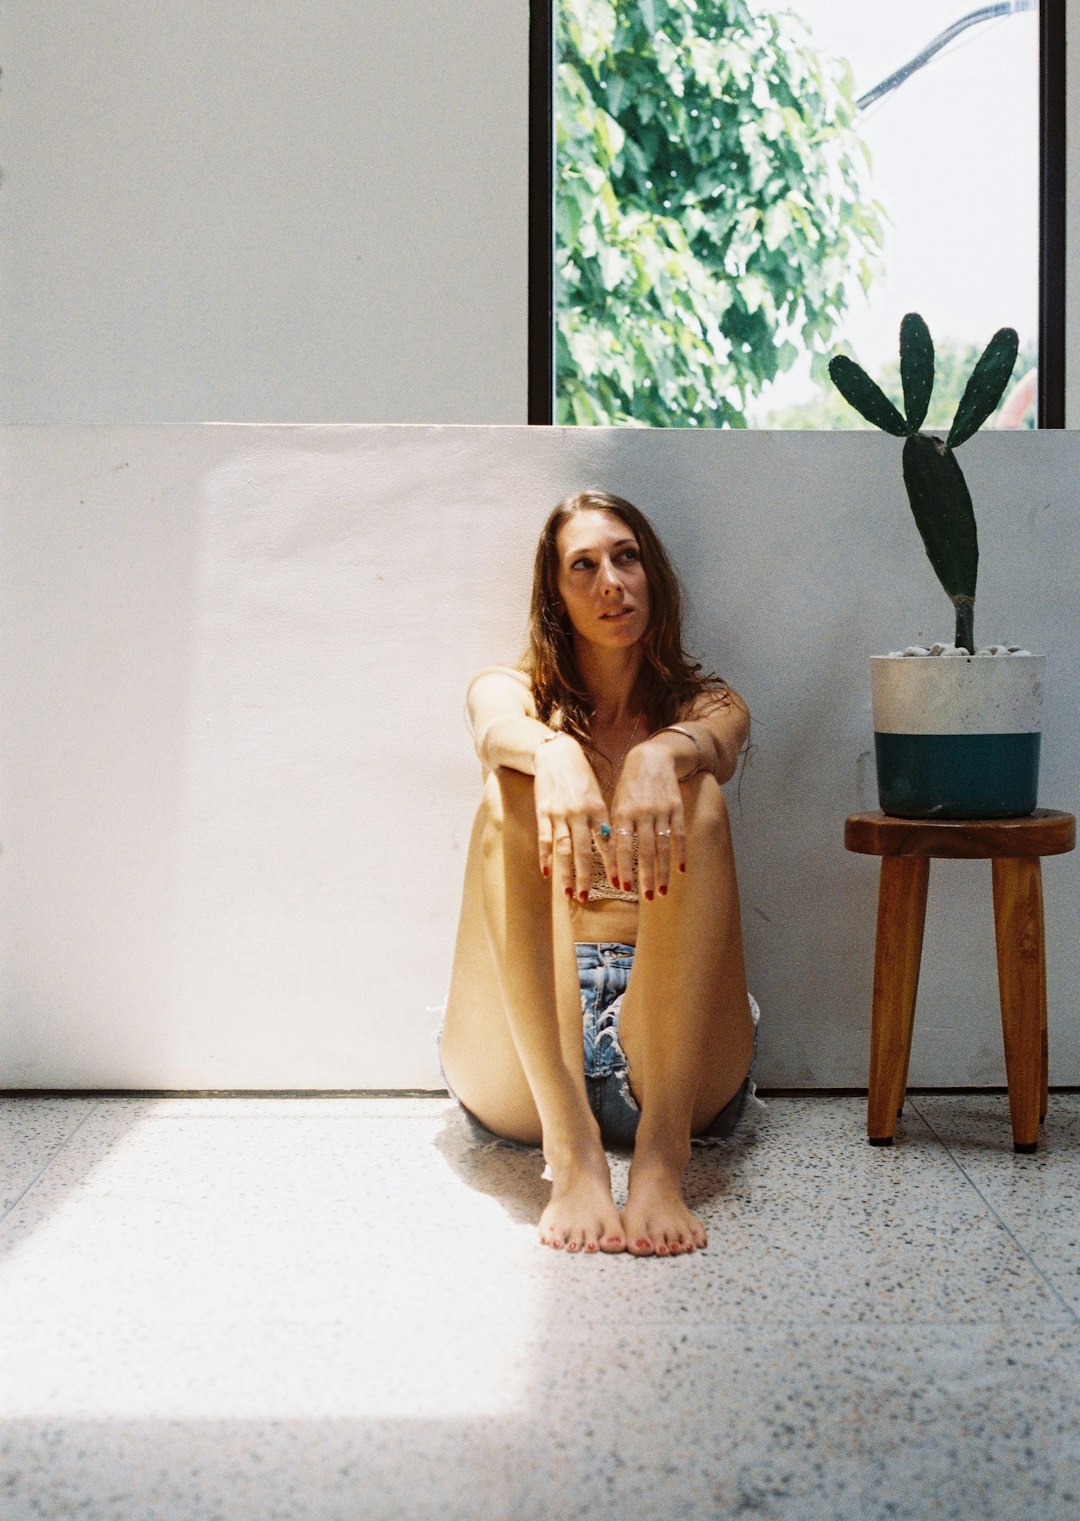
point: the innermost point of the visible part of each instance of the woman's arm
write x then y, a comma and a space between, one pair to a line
502, 717
711, 736
569, 803
648, 799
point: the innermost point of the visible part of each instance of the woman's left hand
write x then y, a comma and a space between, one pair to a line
648, 805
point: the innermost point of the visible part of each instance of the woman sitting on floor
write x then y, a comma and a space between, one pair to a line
600, 884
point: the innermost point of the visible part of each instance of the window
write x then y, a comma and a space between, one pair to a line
711, 167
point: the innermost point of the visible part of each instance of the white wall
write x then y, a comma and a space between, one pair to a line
236, 782
1072, 191
245, 210
212, 637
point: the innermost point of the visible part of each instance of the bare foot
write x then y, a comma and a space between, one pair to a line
656, 1221
581, 1216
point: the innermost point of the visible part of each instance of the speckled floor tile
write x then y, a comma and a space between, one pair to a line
865, 1424
817, 1424
971, 1124
264, 1211
1037, 1196
32, 1132
357, 1106
333, 1308
805, 1218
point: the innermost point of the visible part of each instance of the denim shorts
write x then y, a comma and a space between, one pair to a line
603, 977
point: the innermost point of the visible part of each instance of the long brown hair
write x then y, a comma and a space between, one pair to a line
669, 679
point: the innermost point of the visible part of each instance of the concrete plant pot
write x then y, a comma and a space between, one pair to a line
957, 736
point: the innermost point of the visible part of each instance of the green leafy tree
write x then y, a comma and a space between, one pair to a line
709, 210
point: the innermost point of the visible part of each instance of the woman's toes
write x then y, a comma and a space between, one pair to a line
582, 1218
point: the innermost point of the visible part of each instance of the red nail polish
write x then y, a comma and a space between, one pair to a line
545, 871
683, 869
648, 895
663, 892
583, 895
614, 881
569, 891
627, 887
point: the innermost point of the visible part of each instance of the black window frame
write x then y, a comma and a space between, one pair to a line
541, 322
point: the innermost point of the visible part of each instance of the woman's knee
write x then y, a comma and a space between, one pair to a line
508, 813
705, 809
515, 790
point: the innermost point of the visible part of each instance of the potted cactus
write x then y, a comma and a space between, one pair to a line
956, 728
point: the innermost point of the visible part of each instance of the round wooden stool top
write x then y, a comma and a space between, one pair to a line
1046, 832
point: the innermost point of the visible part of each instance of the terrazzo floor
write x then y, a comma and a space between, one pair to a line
336, 1308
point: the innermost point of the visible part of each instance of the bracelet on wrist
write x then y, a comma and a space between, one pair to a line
547, 741
699, 764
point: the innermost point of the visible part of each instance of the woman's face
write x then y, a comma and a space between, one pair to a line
602, 581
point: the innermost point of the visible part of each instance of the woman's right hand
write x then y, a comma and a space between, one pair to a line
570, 812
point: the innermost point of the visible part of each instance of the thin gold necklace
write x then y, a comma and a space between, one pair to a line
616, 766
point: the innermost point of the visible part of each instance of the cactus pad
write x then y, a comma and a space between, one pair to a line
941, 503
916, 369
865, 395
986, 386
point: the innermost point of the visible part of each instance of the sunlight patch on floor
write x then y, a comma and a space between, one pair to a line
264, 1271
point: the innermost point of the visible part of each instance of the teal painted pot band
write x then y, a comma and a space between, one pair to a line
957, 776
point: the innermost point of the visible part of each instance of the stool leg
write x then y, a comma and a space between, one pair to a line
897, 954
1044, 1086
1044, 1031
1018, 924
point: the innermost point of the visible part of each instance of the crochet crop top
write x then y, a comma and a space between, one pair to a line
600, 888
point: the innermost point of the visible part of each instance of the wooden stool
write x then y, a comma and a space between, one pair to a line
1014, 847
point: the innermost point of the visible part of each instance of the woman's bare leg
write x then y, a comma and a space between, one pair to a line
686, 1026
512, 1041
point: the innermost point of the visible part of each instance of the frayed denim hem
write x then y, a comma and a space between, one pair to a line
726, 1122
617, 1112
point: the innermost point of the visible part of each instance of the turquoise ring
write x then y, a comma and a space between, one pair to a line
604, 831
